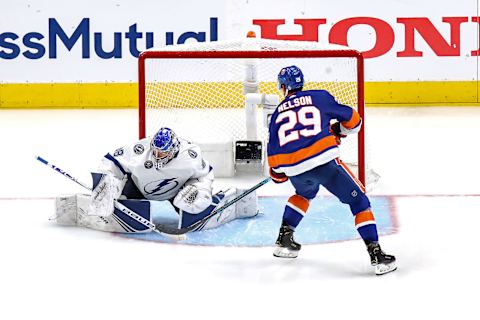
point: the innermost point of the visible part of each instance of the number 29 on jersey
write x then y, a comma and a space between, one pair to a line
308, 116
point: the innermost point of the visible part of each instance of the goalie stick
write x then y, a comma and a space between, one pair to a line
174, 231
118, 205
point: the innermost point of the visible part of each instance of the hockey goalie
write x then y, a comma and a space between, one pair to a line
159, 168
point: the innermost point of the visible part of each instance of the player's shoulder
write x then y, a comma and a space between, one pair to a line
317, 93
189, 149
136, 148
300, 98
322, 97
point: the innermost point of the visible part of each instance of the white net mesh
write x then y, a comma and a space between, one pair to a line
202, 99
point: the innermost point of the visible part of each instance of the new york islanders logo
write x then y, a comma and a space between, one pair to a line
160, 187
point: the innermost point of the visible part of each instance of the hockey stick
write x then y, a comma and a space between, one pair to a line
172, 230
118, 205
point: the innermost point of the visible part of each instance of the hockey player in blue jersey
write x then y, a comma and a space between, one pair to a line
303, 148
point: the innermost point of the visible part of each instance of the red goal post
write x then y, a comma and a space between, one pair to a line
191, 59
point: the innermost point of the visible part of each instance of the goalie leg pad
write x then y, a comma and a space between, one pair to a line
127, 223
66, 208
72, 210
247, 207
187, 218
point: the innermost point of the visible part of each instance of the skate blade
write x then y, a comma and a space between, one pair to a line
284, 253
385, 268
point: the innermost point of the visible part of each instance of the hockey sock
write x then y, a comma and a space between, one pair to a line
366, 226
295, 209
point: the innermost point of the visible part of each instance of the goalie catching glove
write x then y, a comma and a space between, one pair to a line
193, 198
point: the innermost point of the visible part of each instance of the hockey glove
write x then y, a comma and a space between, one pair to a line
335, 130
278, 177
107, 188
193, 199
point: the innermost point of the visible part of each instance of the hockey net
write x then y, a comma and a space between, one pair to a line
199, 90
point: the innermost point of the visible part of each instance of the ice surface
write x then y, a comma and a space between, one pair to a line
427, 159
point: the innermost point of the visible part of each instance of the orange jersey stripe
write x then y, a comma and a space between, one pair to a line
299, 202
353, 122
364, 216
299, 155
350, 173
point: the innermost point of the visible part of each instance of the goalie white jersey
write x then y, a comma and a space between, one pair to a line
163, 168
136, 161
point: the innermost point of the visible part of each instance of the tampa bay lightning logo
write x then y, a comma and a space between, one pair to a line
148, 164
138, 148
160, 186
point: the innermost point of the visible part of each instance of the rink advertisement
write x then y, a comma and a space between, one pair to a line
85, 54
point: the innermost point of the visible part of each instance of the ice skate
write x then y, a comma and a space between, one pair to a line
286, 246
382, 262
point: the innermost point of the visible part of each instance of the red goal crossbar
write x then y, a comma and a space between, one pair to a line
259, 54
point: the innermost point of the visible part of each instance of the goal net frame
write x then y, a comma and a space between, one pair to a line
328, 53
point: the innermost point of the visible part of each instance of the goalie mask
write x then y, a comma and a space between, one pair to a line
290, 77
165, 146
